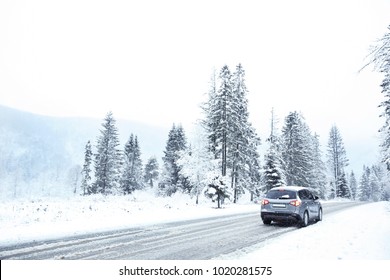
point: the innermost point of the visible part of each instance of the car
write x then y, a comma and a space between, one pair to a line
291, 203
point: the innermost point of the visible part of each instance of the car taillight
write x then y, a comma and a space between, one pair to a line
264, 202
295, 203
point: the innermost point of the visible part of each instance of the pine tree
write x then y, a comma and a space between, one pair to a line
254, 175
218, 189
273, 174
232, 138
86, 171
297, 153
132, 169
378, 182
374, 184
380, 58
313, 158
364, 191
375, 187
151, 171
244, 141
222, 116
216, 126
319, 180
353, 186
172, 179
107, 159
301, 155
209, 122
337, 158
342, 187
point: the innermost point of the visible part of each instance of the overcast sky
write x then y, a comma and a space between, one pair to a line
152, 60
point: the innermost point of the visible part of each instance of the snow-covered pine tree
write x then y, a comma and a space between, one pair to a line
151, 171
379, 182
232, 138
243, 141
301, 155
273, 173
252, 176
364, 191
209, 122
221, 117
353, 185
337, 158
86, 171
374, 184
216, 185
318, 178
169, 178
297, 151
342, 187
132, 166
108, 159
380, 58
172, 179
181, 145
218, 189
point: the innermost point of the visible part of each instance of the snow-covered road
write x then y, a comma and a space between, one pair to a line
194, 239
361, 232
230, 236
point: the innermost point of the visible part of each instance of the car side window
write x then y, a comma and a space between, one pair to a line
309, 195
306, 195
302, 194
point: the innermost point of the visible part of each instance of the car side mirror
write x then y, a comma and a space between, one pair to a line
316, 197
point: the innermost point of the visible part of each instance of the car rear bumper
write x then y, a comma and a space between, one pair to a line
280, 216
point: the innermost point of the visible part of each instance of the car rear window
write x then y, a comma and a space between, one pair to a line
281, 194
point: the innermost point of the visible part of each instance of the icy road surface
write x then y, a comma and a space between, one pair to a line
204, 238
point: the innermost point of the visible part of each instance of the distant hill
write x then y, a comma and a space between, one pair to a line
41, 155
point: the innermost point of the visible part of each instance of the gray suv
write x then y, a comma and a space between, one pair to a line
296, 204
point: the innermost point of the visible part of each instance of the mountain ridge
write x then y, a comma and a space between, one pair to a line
40, 153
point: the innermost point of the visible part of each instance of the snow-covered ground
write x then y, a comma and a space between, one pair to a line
359, 233
362, 232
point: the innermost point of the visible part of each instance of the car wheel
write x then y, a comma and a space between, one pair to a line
319, 215
267, 221
305, 220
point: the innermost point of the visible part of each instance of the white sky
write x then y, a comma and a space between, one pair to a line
152, 60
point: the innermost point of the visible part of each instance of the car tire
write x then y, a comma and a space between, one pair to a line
267, 221
319, 215
305, 219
